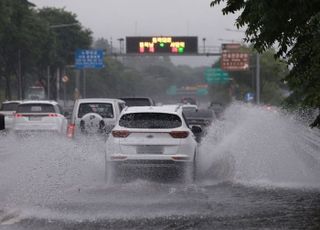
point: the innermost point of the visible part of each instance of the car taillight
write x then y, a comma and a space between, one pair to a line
180, 158
120, 133
18, 115
118, 157
179, 134
70, 130
52, 115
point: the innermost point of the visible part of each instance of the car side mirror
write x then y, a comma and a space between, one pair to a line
196, 129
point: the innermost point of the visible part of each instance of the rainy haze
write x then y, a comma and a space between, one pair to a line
152, 115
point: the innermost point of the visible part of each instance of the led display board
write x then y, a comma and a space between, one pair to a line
162, 45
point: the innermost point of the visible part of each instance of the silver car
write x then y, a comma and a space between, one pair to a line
8, 109
39, 117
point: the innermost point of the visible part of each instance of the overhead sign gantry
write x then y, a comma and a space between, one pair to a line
172, 45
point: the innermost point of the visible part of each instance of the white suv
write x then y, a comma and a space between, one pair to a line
94, 116
8, 109
39, 116
155, 137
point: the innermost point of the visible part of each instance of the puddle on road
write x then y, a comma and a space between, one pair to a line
51, 177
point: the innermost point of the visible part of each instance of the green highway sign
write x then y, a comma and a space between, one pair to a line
172, 90
216, 76
202, 91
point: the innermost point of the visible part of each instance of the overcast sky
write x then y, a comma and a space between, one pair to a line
120, 18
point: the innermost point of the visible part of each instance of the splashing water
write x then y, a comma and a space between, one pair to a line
256, 146
250, 146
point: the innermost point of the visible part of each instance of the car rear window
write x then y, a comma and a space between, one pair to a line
105, 110
150, 120
137, 101
9, 106
35, 108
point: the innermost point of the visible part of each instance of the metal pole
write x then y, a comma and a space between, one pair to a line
258, 78
48, 82
64, 94
19, 74
78, 79
58, 84
84, 84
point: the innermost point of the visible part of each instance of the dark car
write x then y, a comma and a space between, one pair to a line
188, 100
138, 101
217, 107
200, 117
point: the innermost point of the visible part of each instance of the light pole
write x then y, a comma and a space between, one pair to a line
58, 74
204, 45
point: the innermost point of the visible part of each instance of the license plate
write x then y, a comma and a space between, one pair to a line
35, 118
149, 149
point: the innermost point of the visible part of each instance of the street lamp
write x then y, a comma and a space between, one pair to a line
58, 71
64, 25
204, 45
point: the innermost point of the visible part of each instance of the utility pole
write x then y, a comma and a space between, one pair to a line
48, 82
258, 78
19, 74
58, 73
204, 45
84, 84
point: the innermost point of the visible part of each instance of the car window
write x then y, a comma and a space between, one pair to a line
35, 108
105, 110
9, 106
189, 109
137, 101
150, 120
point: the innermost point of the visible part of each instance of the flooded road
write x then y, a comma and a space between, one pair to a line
257, 169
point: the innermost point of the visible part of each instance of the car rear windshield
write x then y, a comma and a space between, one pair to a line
9, 106
137, 101
35, 108
150, 121
105, 110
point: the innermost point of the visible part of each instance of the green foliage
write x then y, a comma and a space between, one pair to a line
65, 39
292, 26
29, 43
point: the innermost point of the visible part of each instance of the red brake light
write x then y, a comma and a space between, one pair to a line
70, 130
120, 133
179, 134
52, 115
118, 157
180, 158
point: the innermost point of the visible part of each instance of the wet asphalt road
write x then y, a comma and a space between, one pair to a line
220, 206
257, 171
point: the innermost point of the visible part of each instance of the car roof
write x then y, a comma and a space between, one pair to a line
148, 98
14, 101
189, 106
152, 109
39, 102
87, 100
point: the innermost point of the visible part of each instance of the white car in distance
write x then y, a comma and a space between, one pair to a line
155, 137
39, 117
8, 109
94, 116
